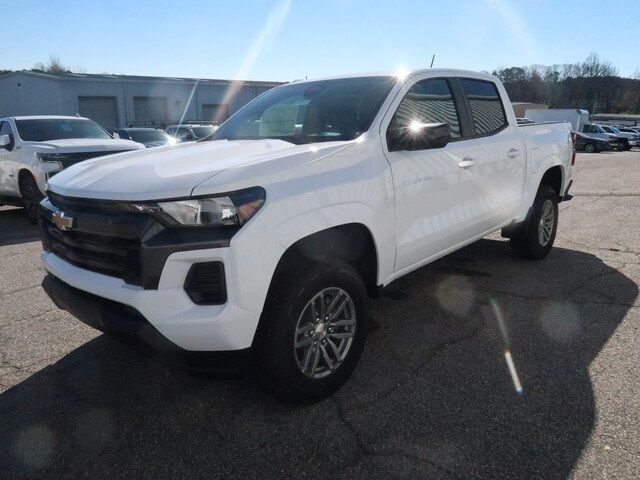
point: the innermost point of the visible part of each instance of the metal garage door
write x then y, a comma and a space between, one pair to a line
150, 110
103, 110
215, 112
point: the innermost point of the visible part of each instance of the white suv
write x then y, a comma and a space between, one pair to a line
33, 149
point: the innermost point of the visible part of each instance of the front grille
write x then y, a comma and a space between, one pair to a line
105, 238
110, 237
87, 204
68, 159
117, 257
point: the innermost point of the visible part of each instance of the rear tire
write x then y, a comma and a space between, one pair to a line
31, 196
535, 242
589, 148
303, 351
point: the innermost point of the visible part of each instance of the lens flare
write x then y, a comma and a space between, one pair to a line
415, 126
401, 73
456, 294
511, 366
268, 32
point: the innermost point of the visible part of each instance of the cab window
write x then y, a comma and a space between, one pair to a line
428, 101
485, 104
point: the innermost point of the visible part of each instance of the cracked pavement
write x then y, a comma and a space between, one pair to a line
432, 396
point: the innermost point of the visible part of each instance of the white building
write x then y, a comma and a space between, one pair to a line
122, 100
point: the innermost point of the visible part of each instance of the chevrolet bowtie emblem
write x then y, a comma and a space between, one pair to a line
62, 221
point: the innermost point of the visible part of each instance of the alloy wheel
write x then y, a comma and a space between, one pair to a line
546, 224
324, 333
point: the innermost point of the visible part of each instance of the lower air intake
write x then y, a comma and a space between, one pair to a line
205, 283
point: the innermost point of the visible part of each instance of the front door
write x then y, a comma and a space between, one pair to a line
437, 190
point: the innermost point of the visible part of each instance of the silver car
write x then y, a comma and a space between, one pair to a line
632, 137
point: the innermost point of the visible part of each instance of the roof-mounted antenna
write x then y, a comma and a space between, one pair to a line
432, 60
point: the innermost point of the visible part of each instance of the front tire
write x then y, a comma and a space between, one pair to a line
536, 241
31, 196
312, 333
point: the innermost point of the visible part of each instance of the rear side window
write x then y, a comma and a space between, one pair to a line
428, 101
486, 106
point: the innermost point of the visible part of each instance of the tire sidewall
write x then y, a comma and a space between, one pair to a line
544, 193
30, 204
275, 347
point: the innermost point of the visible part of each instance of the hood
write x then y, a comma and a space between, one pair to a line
87, 145
167, 172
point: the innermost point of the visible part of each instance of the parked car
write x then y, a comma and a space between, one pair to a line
267, 239
584, 142
34, 148
190, 133
149, 137
634, 133
597, 131
633, 139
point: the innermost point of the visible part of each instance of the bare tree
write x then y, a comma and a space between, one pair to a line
54, 66
593, 85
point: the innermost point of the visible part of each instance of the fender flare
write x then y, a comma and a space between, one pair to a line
316, 220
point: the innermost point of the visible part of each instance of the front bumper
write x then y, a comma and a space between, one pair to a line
129, 326
168, 309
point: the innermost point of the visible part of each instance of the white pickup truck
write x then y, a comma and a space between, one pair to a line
267, 239
34, 148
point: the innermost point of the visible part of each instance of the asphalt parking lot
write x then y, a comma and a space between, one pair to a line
431, 398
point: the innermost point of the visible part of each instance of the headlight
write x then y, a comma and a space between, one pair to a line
51, 158
231, 209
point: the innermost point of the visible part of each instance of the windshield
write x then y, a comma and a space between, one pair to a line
201, 132
308, 112
43, 130
150, 135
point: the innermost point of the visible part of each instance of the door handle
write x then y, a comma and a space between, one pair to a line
467, 162
513, 153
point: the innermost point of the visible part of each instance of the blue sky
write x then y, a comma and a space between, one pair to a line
293, 39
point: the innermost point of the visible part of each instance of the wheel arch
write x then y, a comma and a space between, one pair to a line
24, 173
554, 177
351, 242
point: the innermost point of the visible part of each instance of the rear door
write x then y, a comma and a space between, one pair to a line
496, 145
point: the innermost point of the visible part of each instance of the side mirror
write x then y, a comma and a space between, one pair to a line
6, 142
418, 136
115, 135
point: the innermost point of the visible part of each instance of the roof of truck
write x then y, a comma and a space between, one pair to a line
404, 73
